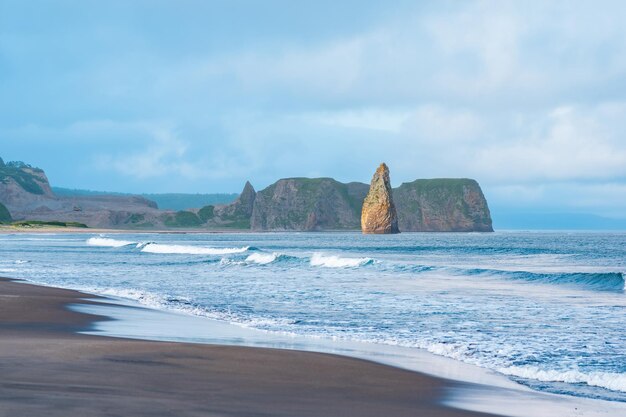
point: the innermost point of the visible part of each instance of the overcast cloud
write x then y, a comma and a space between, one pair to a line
529, 98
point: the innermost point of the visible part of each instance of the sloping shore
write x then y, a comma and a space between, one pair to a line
49, 369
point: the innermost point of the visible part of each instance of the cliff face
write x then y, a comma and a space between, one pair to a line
442, 205
22, 186
308, 204
433, 205
26, 193
379, 212
293, 204
236, 215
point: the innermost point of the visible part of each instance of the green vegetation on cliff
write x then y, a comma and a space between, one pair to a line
38, 223
206, 213
232, 216
24, 175
308, 204
182, 219
5, 216
442, 204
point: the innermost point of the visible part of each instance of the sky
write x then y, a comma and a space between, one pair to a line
528, 98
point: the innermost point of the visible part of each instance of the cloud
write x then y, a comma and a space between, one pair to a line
430, 122
477, 53
165, 155
524, 97
567, 143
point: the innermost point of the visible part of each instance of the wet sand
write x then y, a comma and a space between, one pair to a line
48, 369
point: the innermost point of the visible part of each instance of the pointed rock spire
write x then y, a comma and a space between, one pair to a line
379, 213
246, 199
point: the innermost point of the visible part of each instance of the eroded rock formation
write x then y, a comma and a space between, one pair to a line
308, 204
379, 213
442, 205
292, 204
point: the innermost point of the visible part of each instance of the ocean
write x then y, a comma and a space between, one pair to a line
546, 309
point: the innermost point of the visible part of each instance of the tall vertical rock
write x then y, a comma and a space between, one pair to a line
235, 215
379, 213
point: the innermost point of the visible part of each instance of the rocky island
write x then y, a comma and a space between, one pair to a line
290, 204
379, 215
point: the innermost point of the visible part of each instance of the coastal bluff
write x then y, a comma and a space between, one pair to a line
378, 215
289, 204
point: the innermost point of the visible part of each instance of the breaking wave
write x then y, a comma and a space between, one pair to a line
609, 380
599, 281
186, 305
332, 261
262, 258
108, 242
190, 250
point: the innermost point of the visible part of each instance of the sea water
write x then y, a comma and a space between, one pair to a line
548, 310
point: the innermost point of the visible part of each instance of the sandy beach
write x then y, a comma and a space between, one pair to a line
49, 369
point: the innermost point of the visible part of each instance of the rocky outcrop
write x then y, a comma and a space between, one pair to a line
292, 204
242, 206
308, 204
442, 205
378, 214
236, 215
318, 204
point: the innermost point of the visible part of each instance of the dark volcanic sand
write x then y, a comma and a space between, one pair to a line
46, 369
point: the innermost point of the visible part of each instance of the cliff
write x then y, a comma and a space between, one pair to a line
379, 211
442, 205
308, 204
235, 215
292, 204
26, 193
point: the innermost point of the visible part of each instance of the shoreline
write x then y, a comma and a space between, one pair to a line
473, 388
442, 386
49, 368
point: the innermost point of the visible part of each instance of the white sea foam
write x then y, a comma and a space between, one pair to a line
608, 380
108, 242
185, 306
262, 258
333, 261
190, 250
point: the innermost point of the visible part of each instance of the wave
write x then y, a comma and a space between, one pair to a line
262, 258
187, 306
108, 242
608, 380
190, 250
599, 281
332, 261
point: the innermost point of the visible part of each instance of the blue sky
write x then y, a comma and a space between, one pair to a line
529, 98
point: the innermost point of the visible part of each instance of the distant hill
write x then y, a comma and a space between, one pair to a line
26, 195
166, 201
